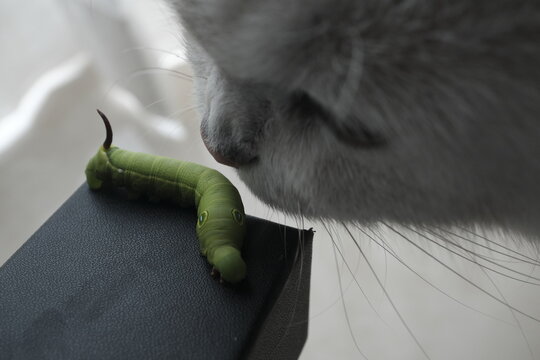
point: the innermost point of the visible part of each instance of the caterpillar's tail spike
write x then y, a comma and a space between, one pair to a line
109, 134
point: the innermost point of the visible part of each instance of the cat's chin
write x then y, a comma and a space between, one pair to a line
280, 195
296, 194
268, 188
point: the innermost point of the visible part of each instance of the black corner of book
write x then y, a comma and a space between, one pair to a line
110, 278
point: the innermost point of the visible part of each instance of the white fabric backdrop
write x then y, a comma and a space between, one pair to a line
62, 59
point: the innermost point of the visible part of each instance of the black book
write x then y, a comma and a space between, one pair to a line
111, 278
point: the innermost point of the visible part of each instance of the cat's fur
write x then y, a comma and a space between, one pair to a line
449, 90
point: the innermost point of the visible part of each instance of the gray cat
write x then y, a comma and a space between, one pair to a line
413, 111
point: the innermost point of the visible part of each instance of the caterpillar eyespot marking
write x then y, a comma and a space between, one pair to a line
220, 213
202, 218
237, 216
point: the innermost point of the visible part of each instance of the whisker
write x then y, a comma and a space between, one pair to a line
159, 101
358, 284
347, 287
182, 111
347, 319
484, 257
475, 262
157, 69
491, 249
144, 71
299, 253
387, 294
387, 247
523, 335
494, 261
385, 267
512, 312
349, 284
535, 261
341, 245
165, 98
285, 237
147, 48
461, 276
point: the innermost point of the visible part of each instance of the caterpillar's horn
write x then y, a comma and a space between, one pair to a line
108, 139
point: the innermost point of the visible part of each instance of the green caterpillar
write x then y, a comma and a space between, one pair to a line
221, 220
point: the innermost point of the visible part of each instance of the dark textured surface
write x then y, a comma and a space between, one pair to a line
109, 278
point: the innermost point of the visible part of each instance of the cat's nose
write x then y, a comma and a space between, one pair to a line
231, 157
220, 158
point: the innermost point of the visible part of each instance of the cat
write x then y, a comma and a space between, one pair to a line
413, 111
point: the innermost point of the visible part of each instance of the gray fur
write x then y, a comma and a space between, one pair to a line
452, 86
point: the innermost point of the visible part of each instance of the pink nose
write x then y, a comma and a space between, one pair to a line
220, 158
